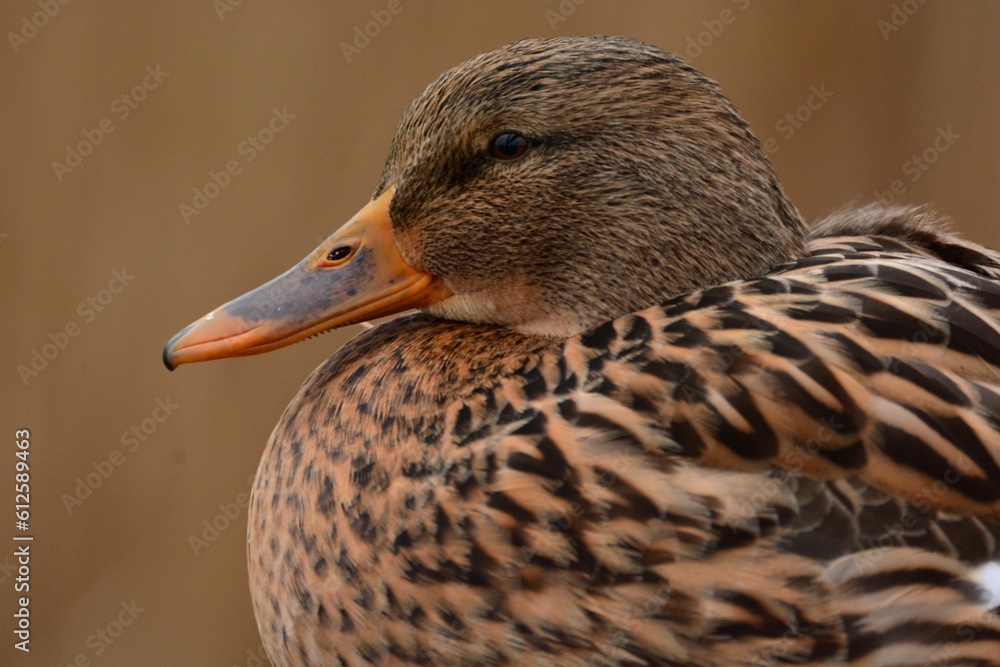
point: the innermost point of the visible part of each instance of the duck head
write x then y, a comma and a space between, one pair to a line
547, 186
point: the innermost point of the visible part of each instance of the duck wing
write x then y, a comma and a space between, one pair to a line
876, 356
795, 469
803, 467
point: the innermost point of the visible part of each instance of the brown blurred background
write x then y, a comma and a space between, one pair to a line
887, 81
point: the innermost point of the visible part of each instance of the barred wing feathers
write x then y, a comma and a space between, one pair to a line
788, 457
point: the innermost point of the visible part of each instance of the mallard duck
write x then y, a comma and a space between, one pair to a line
644, 416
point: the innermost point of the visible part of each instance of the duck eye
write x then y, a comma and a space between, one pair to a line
339, 253
508, 146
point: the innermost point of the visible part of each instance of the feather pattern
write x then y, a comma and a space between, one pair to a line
660, 423
794, 469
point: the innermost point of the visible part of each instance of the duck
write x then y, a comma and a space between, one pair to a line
642, 413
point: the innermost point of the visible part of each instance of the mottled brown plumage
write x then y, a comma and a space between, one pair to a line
636, 160
671, 428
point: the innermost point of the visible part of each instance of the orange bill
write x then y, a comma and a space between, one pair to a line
355, 275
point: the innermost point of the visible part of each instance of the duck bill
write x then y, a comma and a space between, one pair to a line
355, 275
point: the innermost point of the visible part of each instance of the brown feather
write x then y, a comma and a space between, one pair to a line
755, 449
